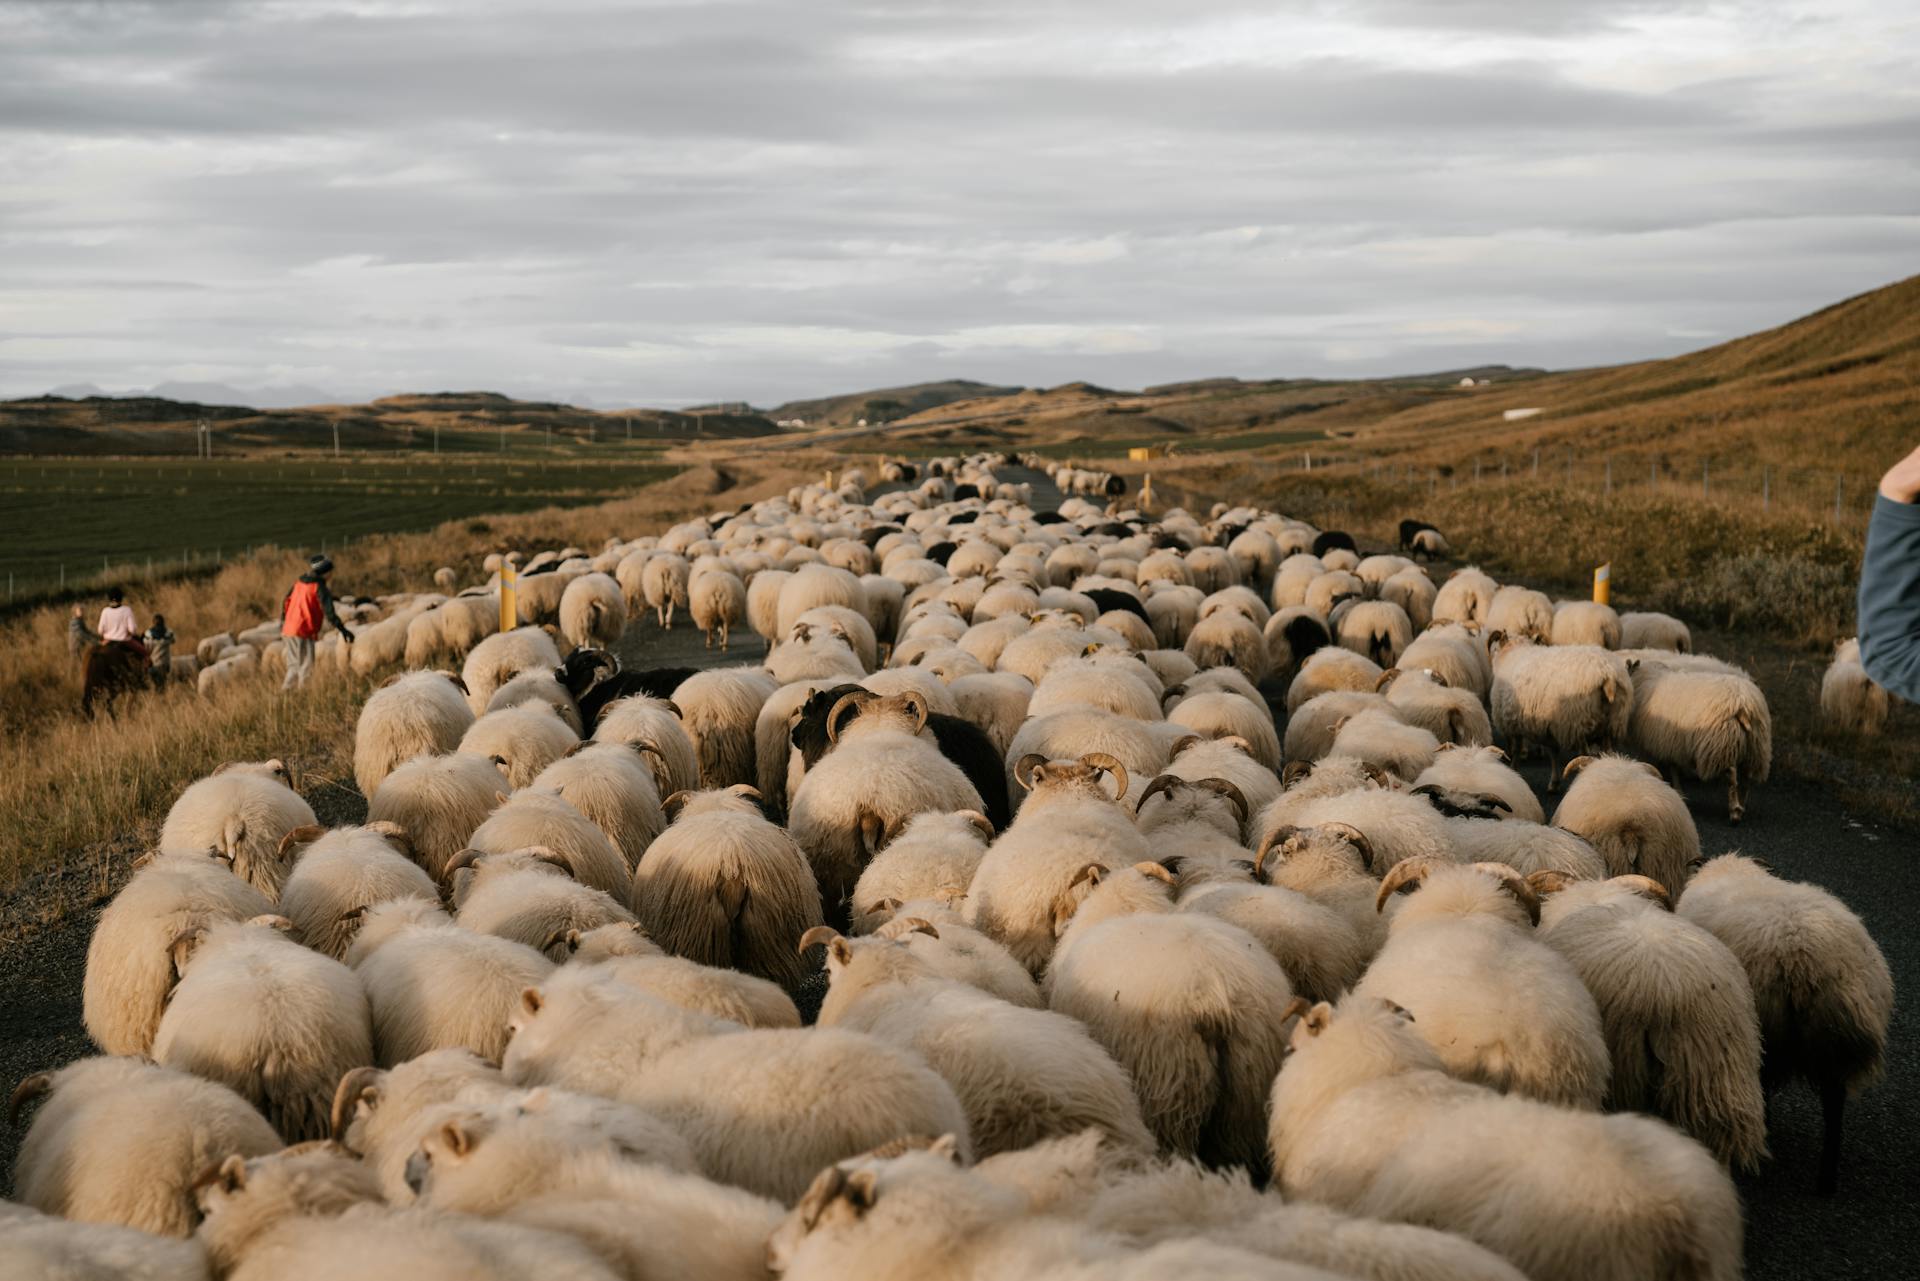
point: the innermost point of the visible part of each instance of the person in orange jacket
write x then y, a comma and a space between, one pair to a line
306, 609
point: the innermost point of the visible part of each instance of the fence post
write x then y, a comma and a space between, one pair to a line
1766, 488
1653, 475
1609, 475
1836, 496
1703, 478
1536, 461
1476, 471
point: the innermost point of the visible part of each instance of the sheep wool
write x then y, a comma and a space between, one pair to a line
419, 713
241, 812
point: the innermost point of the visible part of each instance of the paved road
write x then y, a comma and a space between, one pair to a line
1792, 1235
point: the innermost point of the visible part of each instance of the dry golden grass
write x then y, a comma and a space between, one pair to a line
75, 794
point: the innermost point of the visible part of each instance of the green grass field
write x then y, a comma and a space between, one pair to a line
1089, 447
77, 519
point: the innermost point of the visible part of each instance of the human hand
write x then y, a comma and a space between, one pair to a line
1902, 481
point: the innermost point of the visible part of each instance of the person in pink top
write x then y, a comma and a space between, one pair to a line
117, 625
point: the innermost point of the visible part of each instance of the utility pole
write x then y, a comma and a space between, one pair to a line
336, 438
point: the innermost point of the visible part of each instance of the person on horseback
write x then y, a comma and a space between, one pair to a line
307, 607
118, 627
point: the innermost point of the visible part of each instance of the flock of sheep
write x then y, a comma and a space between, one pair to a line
1125, 975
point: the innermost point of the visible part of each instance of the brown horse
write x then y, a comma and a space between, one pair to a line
108, 668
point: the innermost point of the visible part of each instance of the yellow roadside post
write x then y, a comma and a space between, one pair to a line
1603, 584
1146, 494
507, 619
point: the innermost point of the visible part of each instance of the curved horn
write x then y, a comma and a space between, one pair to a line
346, 1095
1549, 881
979, 820
672, 804
305, 834
395, 835
920, 925
1354, 837
1646, 887
916, 704
1154, 870
1294, 772
833, 713
1515, 884
1387, 678
1407, 872
1023, 769
1575, 765
1172, 692
465, 858
1102, 761
546, 854
1182, 743
29, 1089
1379, 776
817, 935
1297, 1006
674, 707
1161, 783
1277, 837
1228, 790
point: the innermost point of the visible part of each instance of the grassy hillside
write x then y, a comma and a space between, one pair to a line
885, 404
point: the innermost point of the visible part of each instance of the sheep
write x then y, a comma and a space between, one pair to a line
1489, 835
1229, 758
1032, 871
1330, 588
1521, 611
1313, 725
812, 587
1076, 682
1676, 1005
653, 726
1396, 825
209, 648
1199, 823
1376, 629
1585, 622
1228, 638
774, 755
664, 584
723, 886
1294, 634
538, 594
1192, 1007
624, 951
1422, 697
1379, 736
438, 802
1498, 1006
934, 856
381, 1114
879, 774
412, 714
1820, 984
1212, 714
241, 811
530, 897
958, 951
995, 701
1329, 670
538, 818
502, 656
1626, 811
121, 1141
1329, 865
1654, 631
847, 623
1482, 771
129, 971
1453, 653
763, 604
540, 685
1714, 724
593, 611
1022, 1075
814, 654
1466, 597
433, 986
1564, 699
1849, 699
1321, 951
521, 740
273, 1020
338, 875
1364, 1115
1140, 746
43, 1245
1414, 593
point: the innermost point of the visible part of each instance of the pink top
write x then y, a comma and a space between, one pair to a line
116, 623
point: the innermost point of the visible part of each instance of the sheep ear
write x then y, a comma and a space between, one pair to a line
862, 1191
948, 1146
183, 947
1317, 1019
1633, 665
232, 1174
1446, 747
455, 1136
531, 1000
306, 834
1400, 1012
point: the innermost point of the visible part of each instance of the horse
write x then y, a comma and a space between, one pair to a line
108, 669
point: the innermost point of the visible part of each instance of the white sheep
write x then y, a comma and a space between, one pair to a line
121, 1141
934, 856
1482, 771
1378, 629
1821, 985
593, 611
723, 886
1228, 638
1312, 726
1413, 592
1211, 714
1498, 1006
438, 802
241, 812
1710, 720
996, 702
381, 1114
1564, 699
1230, 758
129, 969
431, 985
530, 897
274, 1021
1365, 1119
539, 685
719, 710
521, 740
538, 818
412, 714
1676, 1005
1850, 701
1330, 670
43, 1245
1022, 1075
1626, 811
664, 581
502, 656
653, 726
763, 604
1466, 597
1654, 631
625, 952
1454, 654
1521, 611
337, 875
959, 951
1585, 622
1379, 736
1424, 697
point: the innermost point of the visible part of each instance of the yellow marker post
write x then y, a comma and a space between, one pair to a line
508, 621
1603, 584
1146, 494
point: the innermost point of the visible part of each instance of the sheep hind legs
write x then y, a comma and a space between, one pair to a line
1833, 1102
1736, 796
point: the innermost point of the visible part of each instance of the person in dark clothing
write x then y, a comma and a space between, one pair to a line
1890, 583
159, 640
306, 608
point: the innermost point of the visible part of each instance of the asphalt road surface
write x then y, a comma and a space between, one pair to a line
1867, 1230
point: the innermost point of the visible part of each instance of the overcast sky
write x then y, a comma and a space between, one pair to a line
727, 199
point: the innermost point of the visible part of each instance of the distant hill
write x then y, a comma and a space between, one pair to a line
884, 405
466, 420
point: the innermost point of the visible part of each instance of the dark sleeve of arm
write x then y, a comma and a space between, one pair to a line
326, 607
1890, 598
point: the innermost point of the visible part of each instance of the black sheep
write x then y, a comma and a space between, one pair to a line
1330, 540
1109, 598
1408, 528
594, 678
1116, 486
960, 741
965, 490
941, 553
